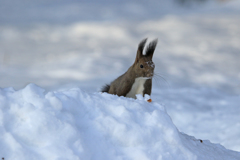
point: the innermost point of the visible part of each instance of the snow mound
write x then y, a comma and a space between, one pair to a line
71, 124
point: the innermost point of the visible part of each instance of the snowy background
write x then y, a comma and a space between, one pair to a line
61, 45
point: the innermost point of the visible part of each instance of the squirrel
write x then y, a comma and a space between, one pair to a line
138, 78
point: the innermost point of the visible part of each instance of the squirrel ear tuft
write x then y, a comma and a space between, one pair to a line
140, 49
151, 48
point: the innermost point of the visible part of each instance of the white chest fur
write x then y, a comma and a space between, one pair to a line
137, 87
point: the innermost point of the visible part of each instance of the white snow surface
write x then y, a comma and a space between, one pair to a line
72, 124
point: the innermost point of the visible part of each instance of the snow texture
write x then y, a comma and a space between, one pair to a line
71, 124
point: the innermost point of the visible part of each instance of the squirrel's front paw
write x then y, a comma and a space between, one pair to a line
149, 100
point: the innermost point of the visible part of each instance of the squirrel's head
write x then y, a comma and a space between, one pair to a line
143, 65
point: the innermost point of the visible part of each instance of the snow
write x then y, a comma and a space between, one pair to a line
72, 124
72, 48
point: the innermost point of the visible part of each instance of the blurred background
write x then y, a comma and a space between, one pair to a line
61, 43
76, 43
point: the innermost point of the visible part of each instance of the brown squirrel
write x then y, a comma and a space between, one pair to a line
138, 78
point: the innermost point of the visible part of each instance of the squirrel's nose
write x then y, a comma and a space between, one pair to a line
149, 74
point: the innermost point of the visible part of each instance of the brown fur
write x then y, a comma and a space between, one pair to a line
123, 84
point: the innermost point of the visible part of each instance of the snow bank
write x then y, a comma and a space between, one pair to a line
72, 124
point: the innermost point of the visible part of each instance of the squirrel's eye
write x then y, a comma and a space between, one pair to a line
141, 66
